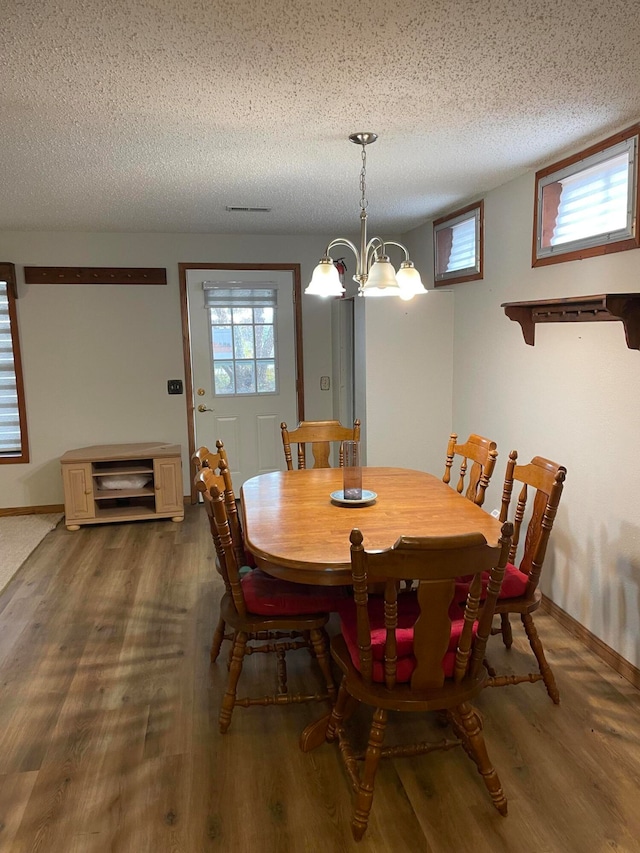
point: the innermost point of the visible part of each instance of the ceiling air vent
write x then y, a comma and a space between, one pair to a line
234, 209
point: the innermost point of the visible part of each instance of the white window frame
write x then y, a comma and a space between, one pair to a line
12, 370
596, 244
474, 272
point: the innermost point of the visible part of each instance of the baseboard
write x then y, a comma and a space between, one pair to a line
39, 510
595, 644
31, 510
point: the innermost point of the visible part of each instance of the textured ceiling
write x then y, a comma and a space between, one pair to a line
154, 115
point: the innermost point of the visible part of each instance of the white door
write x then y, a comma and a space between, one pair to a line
243, 362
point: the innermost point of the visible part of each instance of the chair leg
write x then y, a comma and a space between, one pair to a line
319, 640
235, 668
471, 729
505, 630
337, 714
218, 637
536, 647
364, 795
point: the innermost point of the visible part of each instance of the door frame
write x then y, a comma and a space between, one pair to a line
294, 269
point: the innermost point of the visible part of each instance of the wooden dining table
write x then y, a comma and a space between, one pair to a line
297, 532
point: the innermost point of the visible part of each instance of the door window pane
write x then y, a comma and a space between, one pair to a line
243, 342
245, 377
266, 377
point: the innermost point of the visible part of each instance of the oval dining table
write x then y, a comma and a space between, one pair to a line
297, 532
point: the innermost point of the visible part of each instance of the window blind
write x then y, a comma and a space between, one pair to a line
593, 201
463, 246
10, 434
218, 295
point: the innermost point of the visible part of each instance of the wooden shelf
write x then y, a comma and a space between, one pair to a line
579, 309
119, 494
120, 468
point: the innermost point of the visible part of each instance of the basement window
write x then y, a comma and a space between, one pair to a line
458, 249
14, 446
587, 204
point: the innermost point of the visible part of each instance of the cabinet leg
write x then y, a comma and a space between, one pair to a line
178, 518
73, 527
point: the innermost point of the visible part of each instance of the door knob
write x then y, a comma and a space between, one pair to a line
203, 408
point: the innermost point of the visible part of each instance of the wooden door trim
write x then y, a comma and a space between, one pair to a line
186, 341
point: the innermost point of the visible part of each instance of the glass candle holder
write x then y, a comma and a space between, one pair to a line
352, 472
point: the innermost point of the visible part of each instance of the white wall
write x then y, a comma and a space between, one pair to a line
572, 398
96, 358
408, 380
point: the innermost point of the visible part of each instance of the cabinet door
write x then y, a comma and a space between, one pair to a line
167, 477
78, 491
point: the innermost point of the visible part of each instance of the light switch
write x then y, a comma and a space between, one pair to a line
325, 383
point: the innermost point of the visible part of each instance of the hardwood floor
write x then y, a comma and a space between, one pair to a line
109, 737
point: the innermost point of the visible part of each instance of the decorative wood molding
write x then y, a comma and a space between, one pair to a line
595, 644
579, 309
95, 275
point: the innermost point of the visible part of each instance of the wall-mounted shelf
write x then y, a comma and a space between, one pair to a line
579, 309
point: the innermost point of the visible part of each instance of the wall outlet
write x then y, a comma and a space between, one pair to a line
174, 386
325, 383
495, 513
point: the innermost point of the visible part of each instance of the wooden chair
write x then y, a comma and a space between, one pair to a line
320, 435
543, 482
261, 608
483, 454
416, 651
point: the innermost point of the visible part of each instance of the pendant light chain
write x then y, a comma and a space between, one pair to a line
363, 176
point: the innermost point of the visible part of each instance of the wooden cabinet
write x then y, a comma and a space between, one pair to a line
122, 482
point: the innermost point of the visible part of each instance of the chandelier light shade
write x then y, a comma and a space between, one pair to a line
375, 273
325, 280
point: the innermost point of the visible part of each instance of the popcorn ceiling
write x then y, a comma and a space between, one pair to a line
158, 114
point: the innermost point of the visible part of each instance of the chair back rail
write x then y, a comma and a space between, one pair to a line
230, 569
545, 480
483, 454
204, 481
320, 435
435, 562
205, 458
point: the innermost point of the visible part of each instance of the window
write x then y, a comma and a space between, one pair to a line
457, 241
587, 204
243, 338
14, 446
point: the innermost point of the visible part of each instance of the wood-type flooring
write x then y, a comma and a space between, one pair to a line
109, 738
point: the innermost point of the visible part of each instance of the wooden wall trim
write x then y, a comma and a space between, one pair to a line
95, 275
595, 644
30, 510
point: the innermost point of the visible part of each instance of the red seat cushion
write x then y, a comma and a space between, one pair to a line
513, 585
408, 611
269, 596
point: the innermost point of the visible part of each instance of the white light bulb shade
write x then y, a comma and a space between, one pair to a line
381, 280
325, 280
409, 281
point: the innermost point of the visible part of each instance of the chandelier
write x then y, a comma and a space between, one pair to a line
374, 272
